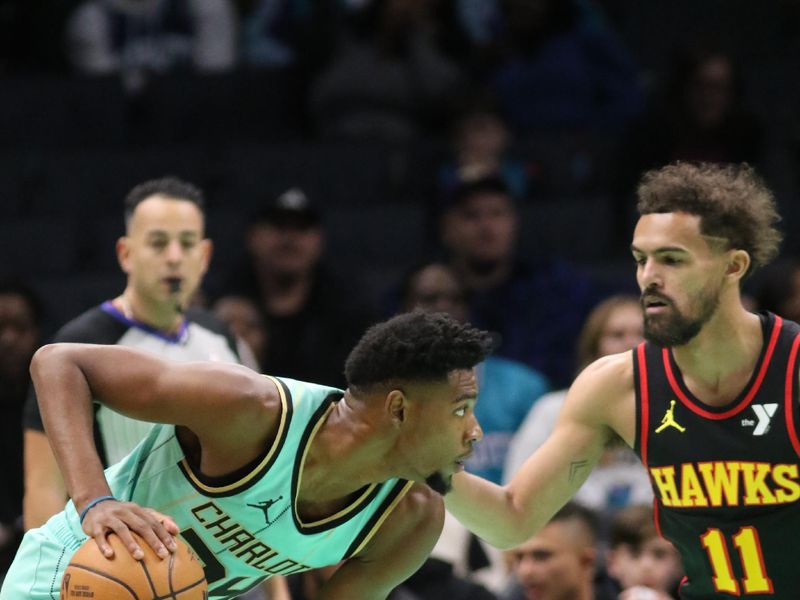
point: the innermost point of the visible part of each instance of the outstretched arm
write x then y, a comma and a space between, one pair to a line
506, 516
398, 549
211, 399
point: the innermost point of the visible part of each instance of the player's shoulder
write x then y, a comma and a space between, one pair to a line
421, 511
94, 326
604, 384
613, 370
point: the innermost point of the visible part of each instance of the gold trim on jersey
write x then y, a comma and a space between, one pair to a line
258, 470
383, 517
368, 490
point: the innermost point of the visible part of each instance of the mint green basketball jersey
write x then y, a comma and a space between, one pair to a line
245, 527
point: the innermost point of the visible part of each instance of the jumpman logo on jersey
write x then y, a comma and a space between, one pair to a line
265, 507
668, 420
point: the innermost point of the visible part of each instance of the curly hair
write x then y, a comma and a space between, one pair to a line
415, 346
733, 204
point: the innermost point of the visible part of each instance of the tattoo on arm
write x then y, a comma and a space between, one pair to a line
575, 468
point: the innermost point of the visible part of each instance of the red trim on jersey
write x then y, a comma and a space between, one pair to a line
750, 394
789, 400
645, 399
684, 581
656, 518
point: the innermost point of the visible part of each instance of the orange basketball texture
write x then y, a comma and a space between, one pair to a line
91, 575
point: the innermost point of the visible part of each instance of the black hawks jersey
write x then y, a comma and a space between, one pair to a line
726, 481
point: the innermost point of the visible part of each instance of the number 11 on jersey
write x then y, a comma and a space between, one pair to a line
755, 580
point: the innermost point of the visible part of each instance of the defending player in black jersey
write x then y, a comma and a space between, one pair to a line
709, 402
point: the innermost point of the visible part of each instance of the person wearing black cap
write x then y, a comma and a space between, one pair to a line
311, 318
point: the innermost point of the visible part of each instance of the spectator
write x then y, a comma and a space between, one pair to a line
481, 141
639, 559
133, 36
389, 79
779, 289
560, 561
311, 317
615, 325
702, 116
243, 318
535, 306
288, 33
563, 70
20, 318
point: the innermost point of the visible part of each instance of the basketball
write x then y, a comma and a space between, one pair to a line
92, 575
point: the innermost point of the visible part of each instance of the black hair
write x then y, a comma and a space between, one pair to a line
415, 346
13, 286
170, 187
572, 511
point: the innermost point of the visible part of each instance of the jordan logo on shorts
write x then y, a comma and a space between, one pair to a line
668, 420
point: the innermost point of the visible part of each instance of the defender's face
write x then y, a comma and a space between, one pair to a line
443, 427
680, 276
164, 252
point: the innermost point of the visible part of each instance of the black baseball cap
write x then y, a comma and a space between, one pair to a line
293, 208
467, 187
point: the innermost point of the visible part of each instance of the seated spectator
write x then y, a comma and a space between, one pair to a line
141, 36
779, 289
702, 116
313, 317
288, 33
480, 140
639, 559
535, 306
388, 80
563, 71
615, 325
20, 319
561, 561
243, 318
699, 114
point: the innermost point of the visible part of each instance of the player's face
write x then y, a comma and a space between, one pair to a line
164, 252
443, 428
552, 565
482, 229
680, 276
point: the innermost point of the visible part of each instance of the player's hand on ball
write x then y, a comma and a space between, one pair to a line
121, 518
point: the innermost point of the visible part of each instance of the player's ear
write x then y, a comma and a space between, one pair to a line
738, 264
396, 407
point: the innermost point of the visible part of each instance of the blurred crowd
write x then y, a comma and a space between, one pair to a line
487, 78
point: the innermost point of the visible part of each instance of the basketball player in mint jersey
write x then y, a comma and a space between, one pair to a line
263, 476
709, 401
